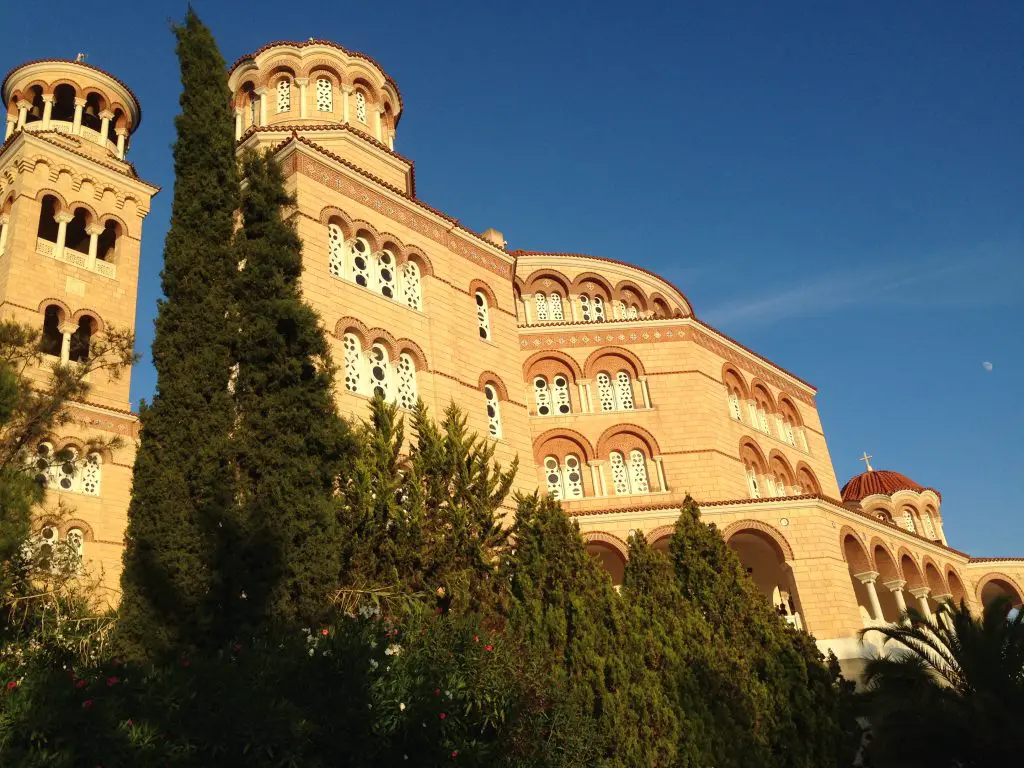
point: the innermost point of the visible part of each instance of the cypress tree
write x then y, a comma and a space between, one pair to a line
610, 708
184, 485
796, 696
289, 440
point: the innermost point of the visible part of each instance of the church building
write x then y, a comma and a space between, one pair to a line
598, 374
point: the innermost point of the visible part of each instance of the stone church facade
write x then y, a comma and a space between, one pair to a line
597, 374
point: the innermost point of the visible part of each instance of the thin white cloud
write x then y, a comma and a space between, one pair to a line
987, 366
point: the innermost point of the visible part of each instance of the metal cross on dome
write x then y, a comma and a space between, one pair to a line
866, 458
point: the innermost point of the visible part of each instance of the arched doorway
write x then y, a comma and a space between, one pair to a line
765, 561
994, 586
608, 555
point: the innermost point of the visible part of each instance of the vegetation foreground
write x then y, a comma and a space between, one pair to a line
301, 590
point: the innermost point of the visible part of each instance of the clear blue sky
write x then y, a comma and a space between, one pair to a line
840, 188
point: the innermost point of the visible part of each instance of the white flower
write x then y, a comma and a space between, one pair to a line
393, 650
373, 664
401, 706
311, 651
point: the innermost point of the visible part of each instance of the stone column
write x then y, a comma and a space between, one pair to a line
48, 99
345, 93
921, 593
586, 402
302, 82
120, 143
66, 330
600, 489
262, 94
571, 301
391, 141
896, 587
5, 225
944, 600
377, 125
62, 232
76, 126
644, 391
867, 578
238, 123
105, 116
23, 107
658, 465
94, 232
12, 123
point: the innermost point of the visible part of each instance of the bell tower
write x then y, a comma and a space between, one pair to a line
71, 211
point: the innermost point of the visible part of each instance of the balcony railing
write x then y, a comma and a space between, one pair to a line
71, 256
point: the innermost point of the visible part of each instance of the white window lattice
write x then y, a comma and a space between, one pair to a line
787, 429
335, 250
66, 471
284, 96
604, 391
542, 396
411, 285
638, 472
353, 362
380, 371
619, 310
620, 475
406, 382
482, 318
493, 412
908, 521
734, 407
634, 312
90, 475
541, 303
929, 526
752, 484
553, 475
762, 421
556, 307
598, 303
76, 542
803, 439
573, 477
386, 274
624, 391
752, 408
585, 311
359, 262
324, 95
561, 396
360, 106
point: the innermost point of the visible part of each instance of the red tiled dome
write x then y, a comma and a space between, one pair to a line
878, 481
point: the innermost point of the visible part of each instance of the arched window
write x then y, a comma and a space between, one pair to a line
787, 431
380, 371
411, 285
908, 521
929, 525
483, 321
48, 226
117, 121
52, 340
605, 393
47, 546
91, 111
620, 475
43, 464
624, 391
106, 245
335, 250
360, 106
541, 303
572, 475
542, 396
91, 474
633, 313
638, 472
553, 475
76, 236
359, 262
598, 305
406, 382
75, 539
324, 95
63, 103
386, 274
563, 404
555, 301
493, 413
619, 309
284, 95
81, 340
35, 112
585, 309
734, 406
66, 469
753, 482
353, 363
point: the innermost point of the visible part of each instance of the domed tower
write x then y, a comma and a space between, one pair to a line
897, 500
71, 211
338, 99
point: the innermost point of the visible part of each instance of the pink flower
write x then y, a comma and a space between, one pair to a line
323, 632
442, 715
488, 647
476, 639
87, 704
12, 685
81, 683
130, 723
112, 681
455, 753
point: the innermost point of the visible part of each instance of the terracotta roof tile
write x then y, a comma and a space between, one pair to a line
880, 481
